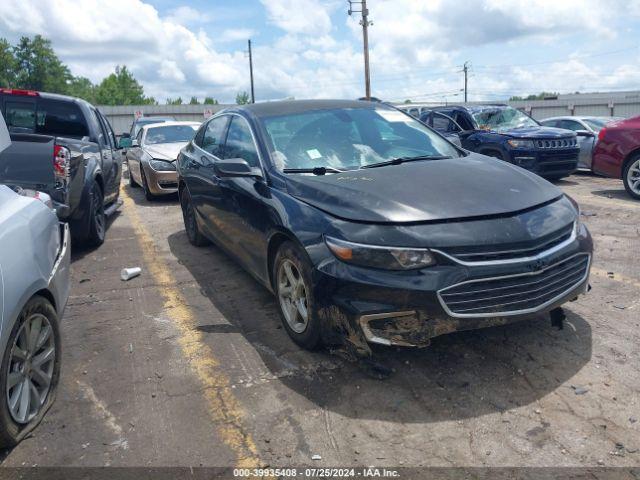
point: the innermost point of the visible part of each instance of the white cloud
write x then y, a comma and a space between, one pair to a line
416, 45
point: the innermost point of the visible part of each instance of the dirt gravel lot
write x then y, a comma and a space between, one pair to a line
188, 365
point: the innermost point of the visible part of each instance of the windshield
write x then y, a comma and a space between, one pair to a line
350, 138
170, 134
502, 118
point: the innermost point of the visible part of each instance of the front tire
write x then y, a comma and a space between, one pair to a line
631, 177
294, 292
30, 371
145, 186
132, 182
195, 236
96, 218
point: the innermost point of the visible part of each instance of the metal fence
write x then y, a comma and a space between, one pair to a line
121, 117
613, 104
619, 104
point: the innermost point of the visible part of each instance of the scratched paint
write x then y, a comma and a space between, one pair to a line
224, 409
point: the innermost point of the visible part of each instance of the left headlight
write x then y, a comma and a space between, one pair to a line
388, 258
162, 165
520, 143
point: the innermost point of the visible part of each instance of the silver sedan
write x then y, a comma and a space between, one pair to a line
586, 128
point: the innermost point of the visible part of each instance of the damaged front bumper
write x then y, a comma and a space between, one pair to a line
410, 308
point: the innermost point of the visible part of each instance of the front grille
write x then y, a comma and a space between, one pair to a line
514, 251
515, 294
556, 142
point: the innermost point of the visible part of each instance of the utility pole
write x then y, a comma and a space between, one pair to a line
253, 95
365, 40
465, 69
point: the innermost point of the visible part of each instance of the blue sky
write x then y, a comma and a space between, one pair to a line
311, 48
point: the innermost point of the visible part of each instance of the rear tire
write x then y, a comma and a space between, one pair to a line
294, 294
96, 218
195, 236
42, 364
631, 176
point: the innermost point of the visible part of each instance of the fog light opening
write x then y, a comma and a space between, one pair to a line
392, 328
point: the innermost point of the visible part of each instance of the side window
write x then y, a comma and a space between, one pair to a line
442, 123
199, 135
108, 138
240, 143
212, 139
570, 125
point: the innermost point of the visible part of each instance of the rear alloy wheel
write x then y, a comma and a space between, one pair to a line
631, 177
97, 218
292, 278
145, 186
30, 370
190, 223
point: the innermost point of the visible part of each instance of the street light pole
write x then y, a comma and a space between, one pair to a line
253, 95
365, 40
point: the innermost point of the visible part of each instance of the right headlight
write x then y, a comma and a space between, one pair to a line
162, 165
388, 258
520, 143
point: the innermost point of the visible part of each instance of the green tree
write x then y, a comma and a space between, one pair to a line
242, 98
194, 101
539, 96
174, 101
38, 67
120, 88
83, 88
210, 101
7, 64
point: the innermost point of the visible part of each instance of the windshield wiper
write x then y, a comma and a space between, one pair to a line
315, 171
399, 160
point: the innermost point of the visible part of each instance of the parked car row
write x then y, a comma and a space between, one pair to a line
608, 146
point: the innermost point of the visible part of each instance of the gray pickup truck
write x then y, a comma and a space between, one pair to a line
65, 147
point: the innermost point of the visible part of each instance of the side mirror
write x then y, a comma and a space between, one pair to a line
236, 167
124, 142
134, 142
585, 133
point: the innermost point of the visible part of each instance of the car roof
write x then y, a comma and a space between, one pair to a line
159, 119
287, 107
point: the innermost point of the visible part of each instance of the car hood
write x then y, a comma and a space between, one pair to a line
420, 191
165, 151
538, 132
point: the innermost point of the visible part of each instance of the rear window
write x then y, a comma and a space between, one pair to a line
45, 117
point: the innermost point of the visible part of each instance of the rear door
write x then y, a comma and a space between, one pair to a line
200, 176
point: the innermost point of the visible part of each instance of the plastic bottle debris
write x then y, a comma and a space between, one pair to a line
316, 457
129, 273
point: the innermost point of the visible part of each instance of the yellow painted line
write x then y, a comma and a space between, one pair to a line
617, 277
223, 407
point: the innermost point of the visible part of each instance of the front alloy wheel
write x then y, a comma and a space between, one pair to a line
292, 294
631, 177
293, 288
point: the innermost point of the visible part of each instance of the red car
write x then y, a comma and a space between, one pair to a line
617, 153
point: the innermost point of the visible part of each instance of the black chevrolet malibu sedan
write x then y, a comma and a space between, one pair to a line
371, 228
